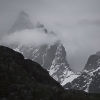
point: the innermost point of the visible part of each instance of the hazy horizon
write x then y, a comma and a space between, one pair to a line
76, 22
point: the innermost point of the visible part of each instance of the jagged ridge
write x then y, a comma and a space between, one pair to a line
89, 80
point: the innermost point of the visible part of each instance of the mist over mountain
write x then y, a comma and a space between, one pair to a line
44, 47
39, 45
77, 23
23, 22
22, 32
61, 37
31, 37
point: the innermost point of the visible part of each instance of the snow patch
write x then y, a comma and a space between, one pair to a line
69, 79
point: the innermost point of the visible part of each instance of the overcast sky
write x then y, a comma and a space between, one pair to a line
77, 22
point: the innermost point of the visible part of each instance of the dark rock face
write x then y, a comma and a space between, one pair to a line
89, 80
92, 63
23, 79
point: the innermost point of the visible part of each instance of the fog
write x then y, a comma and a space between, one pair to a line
28, 37
77, 23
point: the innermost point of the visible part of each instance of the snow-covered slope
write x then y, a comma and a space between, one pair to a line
70, 77
89, 80
51, 56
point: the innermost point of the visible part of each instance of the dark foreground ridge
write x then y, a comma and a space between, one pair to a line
23, 79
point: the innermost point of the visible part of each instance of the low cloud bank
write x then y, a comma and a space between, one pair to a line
28, 37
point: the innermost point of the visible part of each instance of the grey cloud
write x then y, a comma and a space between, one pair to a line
29, 37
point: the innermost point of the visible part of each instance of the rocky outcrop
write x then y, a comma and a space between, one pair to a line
92, 63
89, 80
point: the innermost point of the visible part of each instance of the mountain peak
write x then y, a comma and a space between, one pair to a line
22, 22
98, 53
52, 33
23, 13
40, 25
92, 63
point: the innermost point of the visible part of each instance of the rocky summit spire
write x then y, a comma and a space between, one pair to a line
93, 62
22, 13
22, 22
52, 33
40, 25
